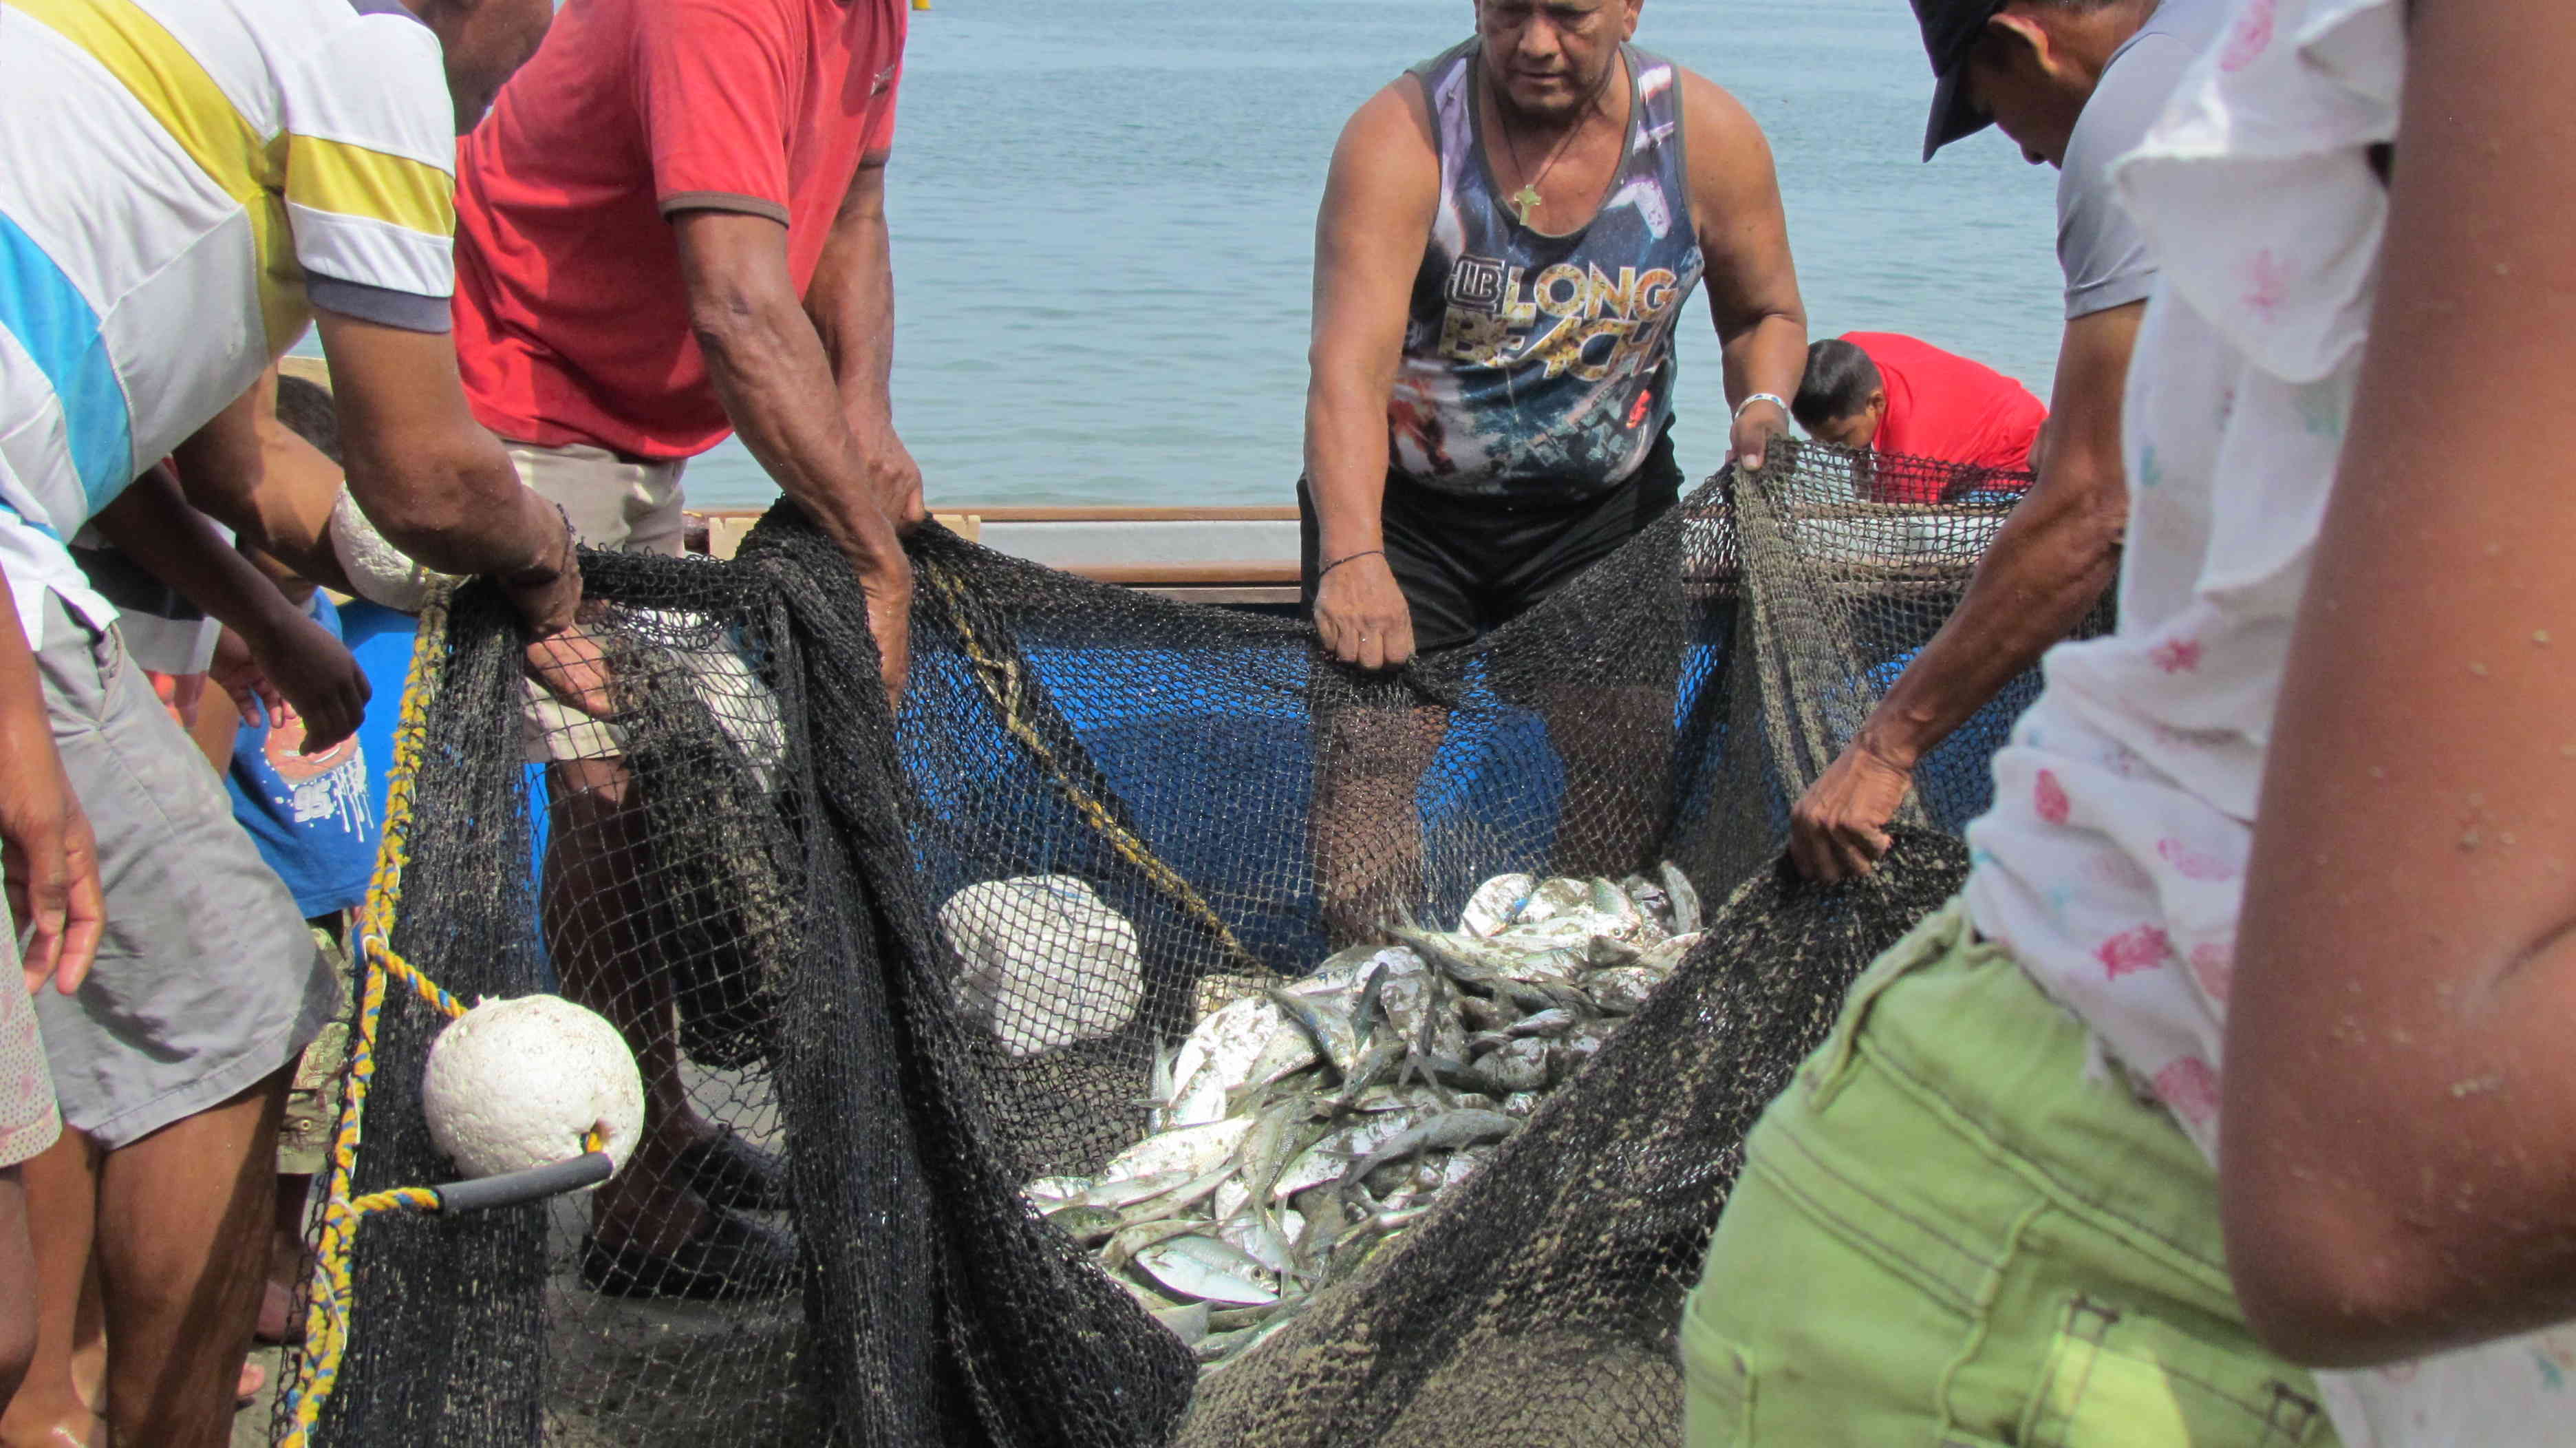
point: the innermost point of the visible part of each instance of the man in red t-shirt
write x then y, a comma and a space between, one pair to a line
1906, 397
672, 227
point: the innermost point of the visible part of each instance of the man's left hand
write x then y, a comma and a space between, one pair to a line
1755, 427
570, 666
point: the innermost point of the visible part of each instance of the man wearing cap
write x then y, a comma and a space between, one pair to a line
1510, 234
2074, 83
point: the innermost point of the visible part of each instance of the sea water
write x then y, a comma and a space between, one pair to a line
1103, 216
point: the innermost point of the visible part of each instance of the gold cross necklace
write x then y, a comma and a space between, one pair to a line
1527, 200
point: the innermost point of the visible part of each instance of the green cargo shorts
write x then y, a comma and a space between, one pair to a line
1950, 1232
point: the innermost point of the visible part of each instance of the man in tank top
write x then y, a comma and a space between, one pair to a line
1509, 235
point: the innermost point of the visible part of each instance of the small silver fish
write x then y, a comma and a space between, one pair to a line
1055, 1189
1447, 1131
1208, 1270
1519, 1066
1495, 905
1328, 1030
1622, 990
1192, 1151
1189, 1324
1678, 889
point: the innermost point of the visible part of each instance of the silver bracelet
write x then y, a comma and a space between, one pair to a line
1778, 402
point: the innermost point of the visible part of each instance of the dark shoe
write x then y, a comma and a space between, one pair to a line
729, 1259
727, 1171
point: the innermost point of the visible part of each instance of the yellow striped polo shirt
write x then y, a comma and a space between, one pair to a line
181, 182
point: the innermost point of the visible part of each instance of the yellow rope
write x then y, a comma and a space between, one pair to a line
1004, 685
326, 1315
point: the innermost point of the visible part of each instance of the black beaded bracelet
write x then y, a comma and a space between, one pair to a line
1345, 558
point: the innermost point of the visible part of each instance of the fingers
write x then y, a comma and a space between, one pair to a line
1361, 616
40, 900
84, 904
570, 667
345, 710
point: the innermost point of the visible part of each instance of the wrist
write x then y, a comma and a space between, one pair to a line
1883, 744
547, 591
1769, 399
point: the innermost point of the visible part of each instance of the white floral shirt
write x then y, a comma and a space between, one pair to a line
2112, 865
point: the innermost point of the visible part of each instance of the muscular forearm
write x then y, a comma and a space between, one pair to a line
852, 305
1346, 463
771, 372
1767, 356
2047, 568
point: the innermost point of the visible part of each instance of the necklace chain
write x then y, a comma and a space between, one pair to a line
1527, 199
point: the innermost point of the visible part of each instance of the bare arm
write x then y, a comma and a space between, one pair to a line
2400, 1111
251, 473
777, 383
2048, 566
436, 484
1369, 236
851, 299
152, 524
1752, 283
45, 840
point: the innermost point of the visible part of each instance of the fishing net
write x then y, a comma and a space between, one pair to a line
931, 959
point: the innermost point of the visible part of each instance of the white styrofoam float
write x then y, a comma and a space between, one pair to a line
516, 1084
1046, 961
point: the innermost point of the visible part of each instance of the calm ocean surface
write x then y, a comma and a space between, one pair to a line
1103, 218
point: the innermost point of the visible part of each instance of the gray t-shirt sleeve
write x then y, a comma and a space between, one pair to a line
381, 305
2101, 251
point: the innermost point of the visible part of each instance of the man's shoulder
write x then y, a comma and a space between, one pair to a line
2139, 81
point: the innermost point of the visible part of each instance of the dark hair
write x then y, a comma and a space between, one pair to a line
1840, 377
307, 408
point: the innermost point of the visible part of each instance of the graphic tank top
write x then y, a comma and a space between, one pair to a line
1538, 367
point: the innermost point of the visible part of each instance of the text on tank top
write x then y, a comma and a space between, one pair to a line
1538, 367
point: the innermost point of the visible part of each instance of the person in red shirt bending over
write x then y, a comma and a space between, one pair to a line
672, 227
1901, 396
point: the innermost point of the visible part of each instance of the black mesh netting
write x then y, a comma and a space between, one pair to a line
942, 964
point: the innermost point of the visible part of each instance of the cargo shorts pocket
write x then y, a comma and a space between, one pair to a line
1717, 1379
2116, 1377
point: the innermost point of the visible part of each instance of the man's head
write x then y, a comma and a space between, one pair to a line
1547, 59
484, 41
1842, 397
2027, 66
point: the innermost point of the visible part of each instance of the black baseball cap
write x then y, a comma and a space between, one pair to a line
1950, 29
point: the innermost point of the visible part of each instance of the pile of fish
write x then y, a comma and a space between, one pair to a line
1302, 1125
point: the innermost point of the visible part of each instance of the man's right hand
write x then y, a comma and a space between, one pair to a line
1838, 831
1361, 614
52, 860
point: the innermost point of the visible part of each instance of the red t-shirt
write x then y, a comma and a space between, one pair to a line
1941, 405
572, 321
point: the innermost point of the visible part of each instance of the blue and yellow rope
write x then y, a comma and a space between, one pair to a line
326, 1314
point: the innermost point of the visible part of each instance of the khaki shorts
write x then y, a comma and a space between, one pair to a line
206, 981
612, 502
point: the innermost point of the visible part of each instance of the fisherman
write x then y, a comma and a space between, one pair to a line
1509, 234
2073, 83
672, 228
1889, 393
184, 188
